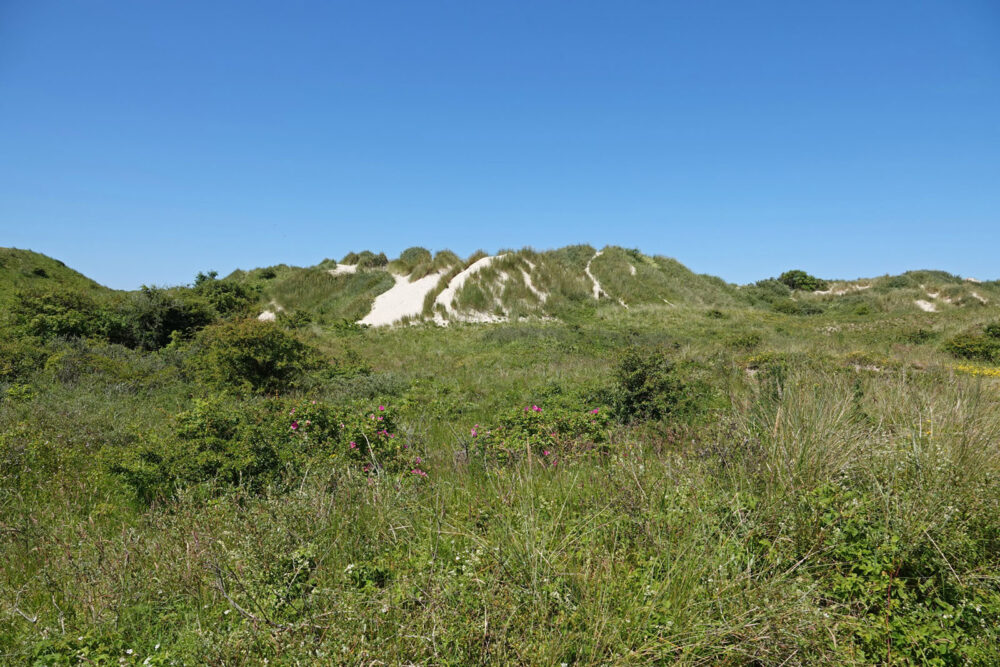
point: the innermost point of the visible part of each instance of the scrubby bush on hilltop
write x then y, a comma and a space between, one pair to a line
248, 355
801, 280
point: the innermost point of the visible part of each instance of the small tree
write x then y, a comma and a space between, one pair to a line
801, 280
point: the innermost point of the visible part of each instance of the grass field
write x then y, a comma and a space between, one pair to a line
724, 480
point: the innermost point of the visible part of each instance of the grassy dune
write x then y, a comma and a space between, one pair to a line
816, 488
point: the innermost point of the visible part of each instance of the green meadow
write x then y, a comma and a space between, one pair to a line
794, 472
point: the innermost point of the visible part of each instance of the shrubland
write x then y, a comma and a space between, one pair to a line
714, 482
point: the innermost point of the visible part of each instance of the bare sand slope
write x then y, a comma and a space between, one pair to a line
343, 268
447, 295
402, 299
598, 290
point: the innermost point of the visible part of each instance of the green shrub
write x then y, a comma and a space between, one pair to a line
252, 444
978, 347
792, 307
551, 435
56, 313
369, 260
19, 357
648, 386
150, 318
248, 355
800, 280
992, 330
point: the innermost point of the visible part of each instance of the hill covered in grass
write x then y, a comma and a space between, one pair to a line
630, 463
26, 270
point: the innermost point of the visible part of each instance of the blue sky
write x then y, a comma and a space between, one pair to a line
142, 142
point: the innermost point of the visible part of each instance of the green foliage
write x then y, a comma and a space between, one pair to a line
648, 385
800, 280
151, 318
254, 444
54, 313
253, 356
551, 435
977, 346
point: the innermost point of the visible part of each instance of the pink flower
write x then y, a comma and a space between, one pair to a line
314, 402
552, 435
418, 471
474, 434
595, 411
418, 460
353, 445
536, 408
380, 417
295, 425
545, 452
308, 423
292, 412
381, 408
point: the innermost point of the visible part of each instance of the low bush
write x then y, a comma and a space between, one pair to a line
253, 356
800, 280
549, 435
253, 444
648, 385
977, 346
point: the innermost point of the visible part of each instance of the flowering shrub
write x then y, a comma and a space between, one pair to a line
252, 444
550, 435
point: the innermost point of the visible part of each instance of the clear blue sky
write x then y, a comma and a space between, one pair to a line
142, 141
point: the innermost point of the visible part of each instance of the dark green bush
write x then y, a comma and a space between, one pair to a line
800, 280
793, 307
248, 355
19, 357
648, 386
56, 313
253, 444
551, 435
977, 347
150, 318
992, 330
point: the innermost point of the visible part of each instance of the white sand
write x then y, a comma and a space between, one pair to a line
843, 290
979, 298
270, 314
631, 269
598, 290
926, 306
447, 295
343, 268
402, 299
542, 296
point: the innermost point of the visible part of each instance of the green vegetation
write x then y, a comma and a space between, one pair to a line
708, 476
801, 280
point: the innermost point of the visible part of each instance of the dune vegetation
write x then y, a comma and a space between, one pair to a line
798, 471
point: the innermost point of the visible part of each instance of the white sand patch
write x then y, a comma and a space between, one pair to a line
598, 290
542, 296
975, 295
631, 269
447, 295
270, 314
343, 268
841, 291
403, 299
926, 306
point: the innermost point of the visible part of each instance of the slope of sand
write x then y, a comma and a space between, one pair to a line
598, 290
447, 295
402, 299
343, 268
926, 306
